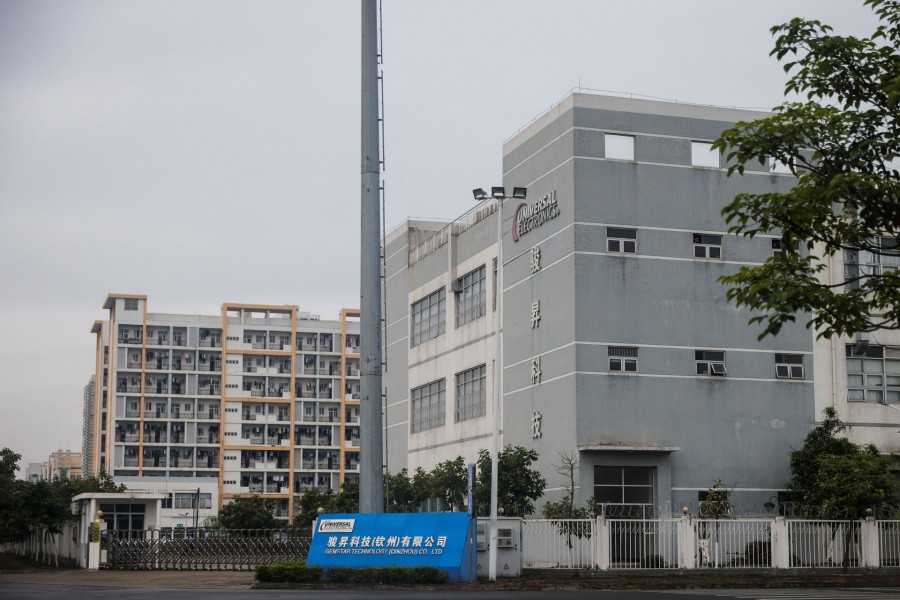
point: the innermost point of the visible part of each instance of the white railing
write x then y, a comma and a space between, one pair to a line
824, 543
691, 543
889, 543
733, 543
643, 544
558, 544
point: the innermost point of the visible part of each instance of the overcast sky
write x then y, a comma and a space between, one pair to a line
208, 151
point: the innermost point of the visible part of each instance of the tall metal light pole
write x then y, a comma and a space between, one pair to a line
499, 194
371, 489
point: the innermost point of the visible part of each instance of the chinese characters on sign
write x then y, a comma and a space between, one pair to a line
535, 370
535, 259
535, 425
394, 544
535, 314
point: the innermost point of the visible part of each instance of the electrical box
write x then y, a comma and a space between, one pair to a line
509, 546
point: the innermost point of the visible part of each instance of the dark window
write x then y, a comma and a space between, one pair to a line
707, 246
710, 362
789, 366
621, 240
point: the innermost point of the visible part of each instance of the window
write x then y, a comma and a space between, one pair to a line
620, 147
710, 362
864, 263
789, 366
873, 374
621, 240
776, 166
703, 155
470, 296
428, 318
619, 486
470, 394
707, 246
623, 359
427, 406
131, 304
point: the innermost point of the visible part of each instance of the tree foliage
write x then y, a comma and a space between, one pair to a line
40, 505
716, 503
248, 512
519, 485
831, 474
840, 139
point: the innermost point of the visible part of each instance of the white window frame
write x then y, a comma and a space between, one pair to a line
621, 240
878, 377
131, 304
710, 363
623, 359
471, 296
428, 406
471, 393
703, 155
789, 366
428, 317
618, 146
709, 246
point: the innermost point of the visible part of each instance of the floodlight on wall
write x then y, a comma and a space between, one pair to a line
498, 192
519, 193
479, 194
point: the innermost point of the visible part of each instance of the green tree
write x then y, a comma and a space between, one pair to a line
450, 483
566, 508
402, 495
251, 512
346, 500
831, 474
717, 502
519, 485
13, 520
840, 140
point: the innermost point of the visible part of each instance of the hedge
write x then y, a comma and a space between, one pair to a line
288, 572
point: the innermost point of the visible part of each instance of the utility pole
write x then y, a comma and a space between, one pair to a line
371, 476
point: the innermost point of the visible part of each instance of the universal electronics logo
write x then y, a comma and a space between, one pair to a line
336, 525
531, 216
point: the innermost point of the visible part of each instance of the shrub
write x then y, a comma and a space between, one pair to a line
654, 561
288, 572
388, 575
758, 552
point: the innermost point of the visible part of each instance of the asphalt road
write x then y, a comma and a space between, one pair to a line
17, 591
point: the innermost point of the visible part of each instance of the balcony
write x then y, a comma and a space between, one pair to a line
209, 367
211, 414
304, 440
128, 438
212, 342
157, 365
131, 461
132, 412
354, 443
128, 389
207, 390
208, 439
130, 340
249, 369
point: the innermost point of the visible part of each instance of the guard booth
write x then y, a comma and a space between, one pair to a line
99, 514
509, 546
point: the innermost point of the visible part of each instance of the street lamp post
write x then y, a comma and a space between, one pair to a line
499, 194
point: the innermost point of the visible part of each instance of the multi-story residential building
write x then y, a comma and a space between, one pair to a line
618, 346
257, 400
34, 471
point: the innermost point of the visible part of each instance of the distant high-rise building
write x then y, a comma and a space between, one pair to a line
87, 428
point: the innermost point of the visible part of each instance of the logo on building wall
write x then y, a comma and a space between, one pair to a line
531, 216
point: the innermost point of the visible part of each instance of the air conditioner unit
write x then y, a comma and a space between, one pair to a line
504, 543
480, 546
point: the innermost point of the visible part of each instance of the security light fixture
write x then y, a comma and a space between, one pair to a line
519, 193
479, 194
498, 192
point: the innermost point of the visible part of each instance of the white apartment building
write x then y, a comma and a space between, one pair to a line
257, 400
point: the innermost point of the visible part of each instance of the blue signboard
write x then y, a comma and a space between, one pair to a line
441, 540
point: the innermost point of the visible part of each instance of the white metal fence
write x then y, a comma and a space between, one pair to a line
558, 544
690, 543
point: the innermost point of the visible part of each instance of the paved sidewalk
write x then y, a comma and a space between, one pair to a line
144, 579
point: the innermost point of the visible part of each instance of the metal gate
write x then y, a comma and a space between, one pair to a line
204, 550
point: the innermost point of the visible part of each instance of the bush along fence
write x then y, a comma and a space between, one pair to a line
692, 543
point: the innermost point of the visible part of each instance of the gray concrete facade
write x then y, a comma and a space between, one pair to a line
659, 302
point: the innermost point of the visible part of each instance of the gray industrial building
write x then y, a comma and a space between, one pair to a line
618, 345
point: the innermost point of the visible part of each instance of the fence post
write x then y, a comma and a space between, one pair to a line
601, 543
781, 544
870, 549
687, 552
